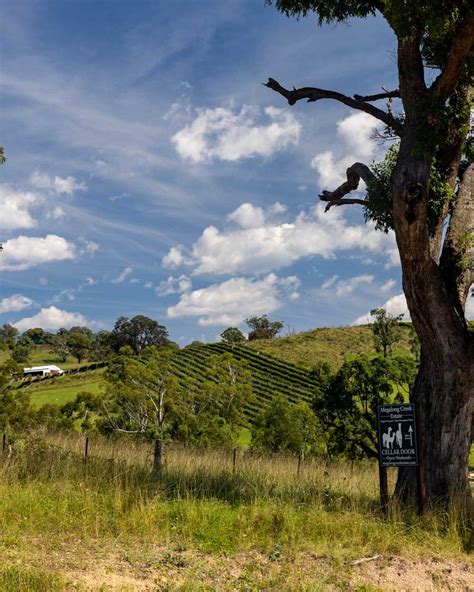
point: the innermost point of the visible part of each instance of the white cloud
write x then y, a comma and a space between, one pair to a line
70, 293
346, 287
174, 286
232, 301
248, 216
175, 258
122, 275
15, 206
67, 186
357, 145
397, 305
25, 252
15, 303
388, 286
272, 246
52, 318
221, 134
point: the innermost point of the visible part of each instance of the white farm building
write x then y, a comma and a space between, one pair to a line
43, 371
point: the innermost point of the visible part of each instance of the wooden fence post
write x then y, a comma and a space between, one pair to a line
4, 442
300, 460
234, 460
384, 498
86, 449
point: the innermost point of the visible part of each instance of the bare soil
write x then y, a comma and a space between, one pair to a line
167, 569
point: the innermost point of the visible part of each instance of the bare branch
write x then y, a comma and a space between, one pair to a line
354, 174
316, 94
463, 40
388, 94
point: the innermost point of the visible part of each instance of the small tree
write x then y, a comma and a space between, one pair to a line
285, 427
59, 344
386, 330
140, 394
79, 342
263, 328
232, 335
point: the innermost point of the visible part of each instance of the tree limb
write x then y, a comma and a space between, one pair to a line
316, 94
389, 94
354, 174
463, 40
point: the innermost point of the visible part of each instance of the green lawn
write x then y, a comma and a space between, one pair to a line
55, 395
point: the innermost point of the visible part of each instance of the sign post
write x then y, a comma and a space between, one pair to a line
398, 445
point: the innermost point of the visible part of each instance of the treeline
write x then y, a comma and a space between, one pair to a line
82, 343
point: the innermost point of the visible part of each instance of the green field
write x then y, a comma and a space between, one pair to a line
59, 395
42, 356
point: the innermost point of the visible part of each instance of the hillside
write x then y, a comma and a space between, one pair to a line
270, 376
330, 345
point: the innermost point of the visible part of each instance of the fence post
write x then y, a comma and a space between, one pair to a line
300, 460
234, 460
86, 449
4, 442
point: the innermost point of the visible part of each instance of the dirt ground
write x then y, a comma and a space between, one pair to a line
165, 569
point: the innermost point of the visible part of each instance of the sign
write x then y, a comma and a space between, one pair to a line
397, 435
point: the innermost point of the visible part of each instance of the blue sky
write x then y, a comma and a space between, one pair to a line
150, 172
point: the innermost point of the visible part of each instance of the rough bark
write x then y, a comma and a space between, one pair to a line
158, 452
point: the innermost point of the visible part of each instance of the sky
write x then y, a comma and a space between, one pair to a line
150, 172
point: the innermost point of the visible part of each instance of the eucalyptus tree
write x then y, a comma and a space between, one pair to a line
424, 191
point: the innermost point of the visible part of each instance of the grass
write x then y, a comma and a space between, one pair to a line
57, 395
58, 514
332, 345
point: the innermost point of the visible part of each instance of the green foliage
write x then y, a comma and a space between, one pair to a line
232, 335
138, 333
386, 330
263, 328
327, 11
8, 334
286, 427
14, 405
346, 403
140, 393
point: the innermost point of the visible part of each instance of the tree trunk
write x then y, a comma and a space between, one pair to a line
442, 394
444, 385
158, 454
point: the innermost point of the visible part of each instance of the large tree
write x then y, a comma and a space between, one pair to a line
425, 192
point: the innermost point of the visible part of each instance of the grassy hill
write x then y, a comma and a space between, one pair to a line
330, 345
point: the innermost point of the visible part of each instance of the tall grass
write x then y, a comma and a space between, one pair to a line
48, 490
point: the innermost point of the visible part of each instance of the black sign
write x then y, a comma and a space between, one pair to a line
397, 435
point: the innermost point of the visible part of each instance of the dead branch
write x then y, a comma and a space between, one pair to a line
313, 94
354, 174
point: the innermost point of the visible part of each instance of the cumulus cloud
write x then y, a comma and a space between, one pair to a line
62, 186
52, 318
174, 285
346, 287
248, 216
275, 245
122, 276
15, 303
25, 252
15, 207
224, 135
230, 302
354, 133
175, 258
397, 305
